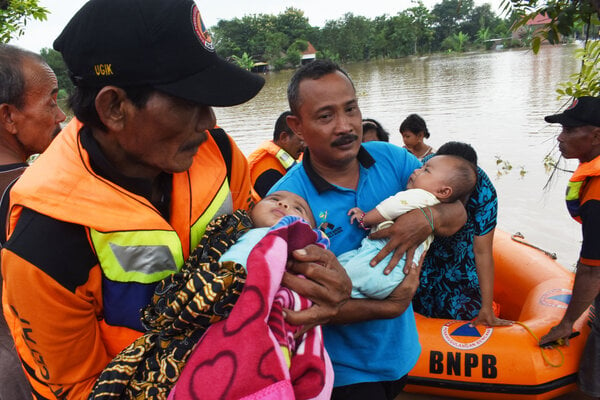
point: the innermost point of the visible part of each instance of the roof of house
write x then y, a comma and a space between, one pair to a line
539, 20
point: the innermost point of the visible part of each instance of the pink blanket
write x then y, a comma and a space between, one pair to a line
241, 357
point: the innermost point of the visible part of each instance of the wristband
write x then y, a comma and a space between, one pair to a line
361, 223
429, 219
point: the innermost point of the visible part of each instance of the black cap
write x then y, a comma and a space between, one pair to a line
160, 43
583, 111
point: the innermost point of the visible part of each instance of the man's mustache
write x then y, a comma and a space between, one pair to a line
345, 139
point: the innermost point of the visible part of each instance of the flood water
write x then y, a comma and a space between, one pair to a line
495, 101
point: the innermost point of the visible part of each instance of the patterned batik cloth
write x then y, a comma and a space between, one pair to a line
182, 308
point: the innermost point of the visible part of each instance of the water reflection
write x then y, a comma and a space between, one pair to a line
495, 101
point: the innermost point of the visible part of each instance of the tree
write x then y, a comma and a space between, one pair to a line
54, 59
480, 18
450, 16
14, 15
293, 24
422, 21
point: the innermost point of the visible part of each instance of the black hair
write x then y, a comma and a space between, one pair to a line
83, 102
415, 124
313, 70
459, 149
12, 78
382, 134
282, 126
463, 179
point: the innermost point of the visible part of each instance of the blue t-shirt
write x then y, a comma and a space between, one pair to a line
370, 351
449, 285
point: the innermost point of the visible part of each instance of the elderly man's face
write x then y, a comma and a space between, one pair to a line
579, 142
38, 121
163, 135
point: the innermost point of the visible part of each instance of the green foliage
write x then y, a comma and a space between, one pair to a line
416, 30
483, 38
505, 167
550, 163
263, 37
293, 57
278, 63
299, 44
328, 55
245, 61
449, 16
14, 15
54, 59
421, 21
456, 42
566, 17
587, 81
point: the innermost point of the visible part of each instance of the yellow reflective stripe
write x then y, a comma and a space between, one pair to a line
222, 204
285, 159
138, 256
573, 189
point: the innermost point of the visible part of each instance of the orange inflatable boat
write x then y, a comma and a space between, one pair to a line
505, 362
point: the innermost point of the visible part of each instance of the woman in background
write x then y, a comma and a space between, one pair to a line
372, 130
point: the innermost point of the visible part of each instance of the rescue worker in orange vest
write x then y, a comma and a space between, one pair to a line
274, 158
125, 191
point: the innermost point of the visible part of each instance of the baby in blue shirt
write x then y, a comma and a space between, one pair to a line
443, 178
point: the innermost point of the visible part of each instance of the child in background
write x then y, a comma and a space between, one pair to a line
441, 179
414, 131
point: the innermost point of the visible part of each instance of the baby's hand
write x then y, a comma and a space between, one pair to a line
355, 213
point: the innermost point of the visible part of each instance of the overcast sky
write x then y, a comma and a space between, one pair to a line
42, 34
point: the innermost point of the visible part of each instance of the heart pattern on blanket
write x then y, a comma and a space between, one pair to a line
226, 363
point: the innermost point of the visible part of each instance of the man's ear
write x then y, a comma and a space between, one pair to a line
284, 137
596, 137
7, 120
295, 125
111, 105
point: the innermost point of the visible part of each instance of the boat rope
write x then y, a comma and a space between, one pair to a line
542, 349
518, 237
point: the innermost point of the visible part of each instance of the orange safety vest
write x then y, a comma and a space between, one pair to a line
61, 184
268, 156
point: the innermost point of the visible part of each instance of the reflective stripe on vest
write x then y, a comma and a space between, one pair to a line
285, 159
221, 204
138, 256
149, 256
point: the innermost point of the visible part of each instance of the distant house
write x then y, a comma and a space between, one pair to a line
534, 25
309, 55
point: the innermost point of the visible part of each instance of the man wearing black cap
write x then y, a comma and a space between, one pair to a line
125, 192
580, 138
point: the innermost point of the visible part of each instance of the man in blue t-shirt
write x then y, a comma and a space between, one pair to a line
373, 344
